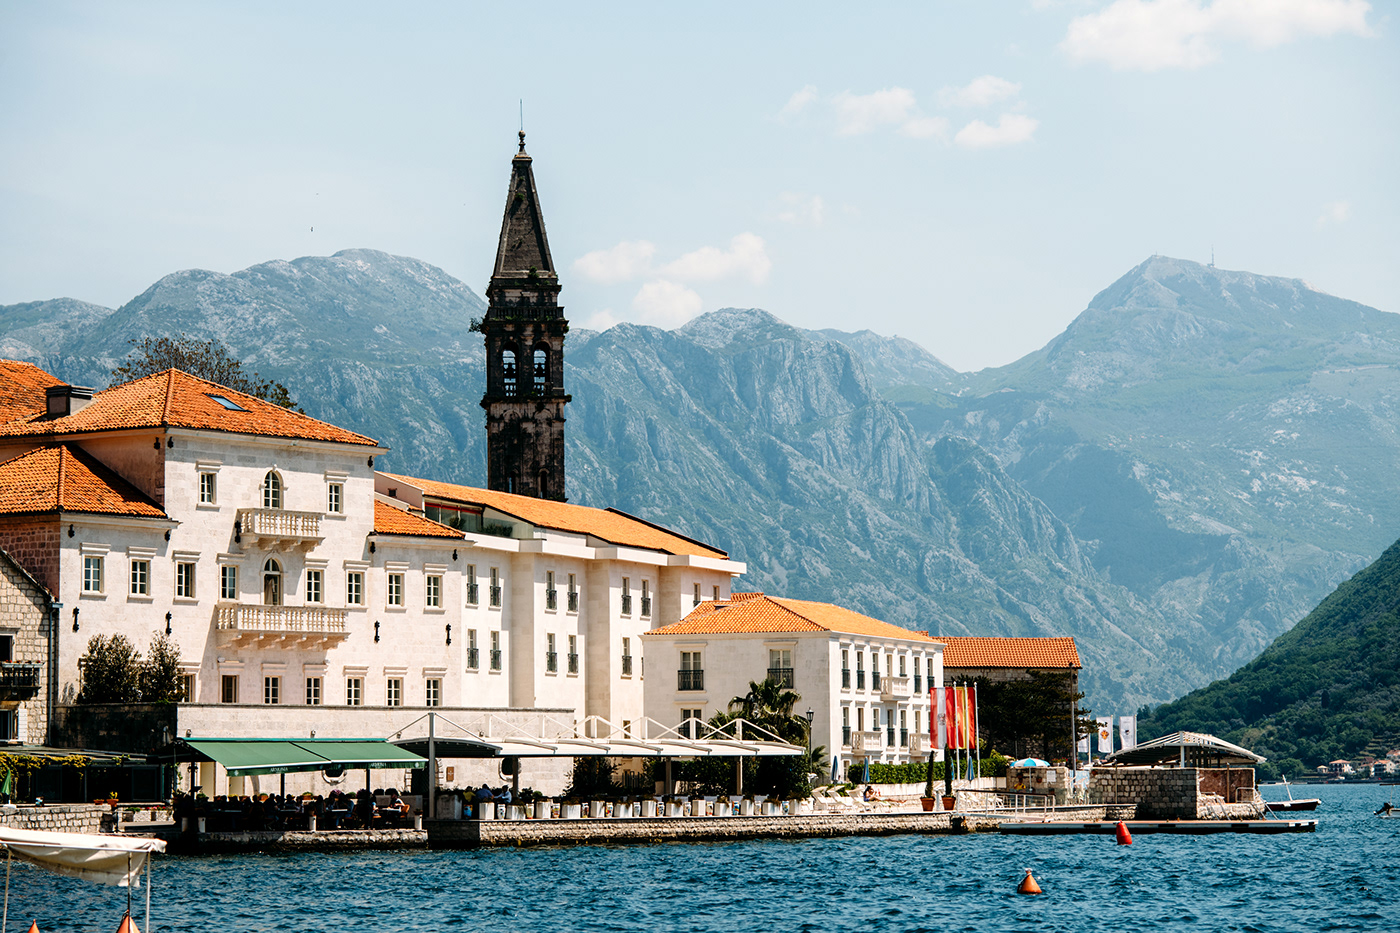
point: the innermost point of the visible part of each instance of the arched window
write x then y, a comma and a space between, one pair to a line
543, 491
509, 375
272, 581
272, 490
541, 369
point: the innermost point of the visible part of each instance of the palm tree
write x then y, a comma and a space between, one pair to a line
769, 705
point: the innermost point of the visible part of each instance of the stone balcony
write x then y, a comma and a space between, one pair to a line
239, 624
279, 529
919, 744
867, 743
18, 680
895, 688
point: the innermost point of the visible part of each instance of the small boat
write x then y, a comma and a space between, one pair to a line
1290, 805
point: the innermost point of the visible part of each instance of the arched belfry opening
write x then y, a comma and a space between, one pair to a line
524, 329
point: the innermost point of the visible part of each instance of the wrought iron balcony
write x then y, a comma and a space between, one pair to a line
496, 597
782, 676
473, 658
918, 685
867, 742
860, 679
626, 604
495, 659
18, 680
904, 738
573, 600
889, 736
473, 593
875, 681
551, 599
846, 678
626, 665
646, 607
551, 661
693, 679
573, 663
845, 735
894, 688
242, 623
279, 528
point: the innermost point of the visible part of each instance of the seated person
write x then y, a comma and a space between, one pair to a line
504, 795
870, 794
484, 795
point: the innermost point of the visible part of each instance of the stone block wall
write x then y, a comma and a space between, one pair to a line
1160, 793
60, 818
23, 607
34, 545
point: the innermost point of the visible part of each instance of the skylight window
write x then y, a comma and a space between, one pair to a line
227, 403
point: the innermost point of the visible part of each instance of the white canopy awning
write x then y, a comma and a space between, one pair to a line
487, 747
117, 860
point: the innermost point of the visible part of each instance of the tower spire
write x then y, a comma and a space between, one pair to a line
524, 329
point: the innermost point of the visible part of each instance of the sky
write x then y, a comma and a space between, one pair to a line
964, 174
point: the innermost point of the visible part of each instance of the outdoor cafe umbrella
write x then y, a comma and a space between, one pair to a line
1030, 763
835, 768
865, 773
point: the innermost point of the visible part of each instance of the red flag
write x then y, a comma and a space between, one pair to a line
954, 719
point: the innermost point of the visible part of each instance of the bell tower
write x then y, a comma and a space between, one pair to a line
524, 329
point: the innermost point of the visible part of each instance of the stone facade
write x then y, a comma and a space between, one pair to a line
62, 818
24, 655
1175, 793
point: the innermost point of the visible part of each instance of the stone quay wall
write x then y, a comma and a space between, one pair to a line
330, 840
1169, 793
58, 818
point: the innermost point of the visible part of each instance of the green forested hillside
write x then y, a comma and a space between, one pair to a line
1327, 689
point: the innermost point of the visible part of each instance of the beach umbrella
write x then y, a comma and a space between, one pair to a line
865, 772
1030, 763
835, 768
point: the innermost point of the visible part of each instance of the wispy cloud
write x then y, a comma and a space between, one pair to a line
980, 92
1334, 213
628, 260
802, 209
1150, 35
798, 102
746, 257
1011, 129
666, 304
857, 114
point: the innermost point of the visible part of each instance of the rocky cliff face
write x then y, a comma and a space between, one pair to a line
1091, 489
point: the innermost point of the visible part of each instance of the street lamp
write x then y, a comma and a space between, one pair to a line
810, 716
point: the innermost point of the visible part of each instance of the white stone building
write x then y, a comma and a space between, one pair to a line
291, 574
866, 682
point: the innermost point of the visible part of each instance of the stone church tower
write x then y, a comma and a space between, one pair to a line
524, 328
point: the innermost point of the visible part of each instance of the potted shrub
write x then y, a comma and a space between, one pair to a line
746, 806
927, 801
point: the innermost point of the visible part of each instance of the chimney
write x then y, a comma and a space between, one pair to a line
67, 400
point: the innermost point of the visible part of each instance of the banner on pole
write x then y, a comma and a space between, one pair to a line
1127, 732
941, 701
1105, 734
1084, 745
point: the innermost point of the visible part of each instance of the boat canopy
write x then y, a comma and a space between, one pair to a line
116, 860
1186, 750
288, 756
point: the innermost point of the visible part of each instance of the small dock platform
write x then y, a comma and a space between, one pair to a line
1175, 827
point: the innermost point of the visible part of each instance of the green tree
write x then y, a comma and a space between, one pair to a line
207, 359
160, 677
111, 671
769, 705
1032, 716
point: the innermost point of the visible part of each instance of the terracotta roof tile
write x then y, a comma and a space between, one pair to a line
64, 478
1032, 653
177, 399
757, 612
389, 520
22, 388
608, 525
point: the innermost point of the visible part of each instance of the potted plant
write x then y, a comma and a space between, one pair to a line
949, 801
927, 801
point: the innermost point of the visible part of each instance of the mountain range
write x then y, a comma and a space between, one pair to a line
1175, 480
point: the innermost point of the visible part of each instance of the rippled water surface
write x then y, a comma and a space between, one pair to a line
1345, 876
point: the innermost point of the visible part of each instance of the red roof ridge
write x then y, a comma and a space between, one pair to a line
663, 528
58, 487
170, 393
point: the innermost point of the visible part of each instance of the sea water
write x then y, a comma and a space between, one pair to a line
1345, 876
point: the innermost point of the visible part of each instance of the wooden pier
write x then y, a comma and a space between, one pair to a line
1174, 827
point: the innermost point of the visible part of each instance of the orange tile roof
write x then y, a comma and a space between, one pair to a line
609, 525
758, 612
389, 520
22, 388
176, 399
1032, 653
64, 478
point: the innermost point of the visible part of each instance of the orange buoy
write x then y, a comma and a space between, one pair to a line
1028, 884
1125, 838
128, 925
34, 927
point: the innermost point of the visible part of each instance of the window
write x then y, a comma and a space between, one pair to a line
573, 593
395, 589
228, 688
315, 591
272, 690
393, 692
187, 685
626, 657
860, 719
626, 596
335, 493
695, 597
691, 676
917, 718
354, 691
355, 588
471, 585
845, 725
140, 578
228, 582
272, 583
845, 668
472, 659
573, 654
551, 658
901, 665
313, 691
432, 591
780, 666
208, 488
716, 594
690, 723
646, 599
432, 692
92, 575
495, 588
225, 401
495, 651
551, 595
272, 490
508, 372
184, 580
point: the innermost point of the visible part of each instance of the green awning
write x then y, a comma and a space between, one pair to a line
288, 756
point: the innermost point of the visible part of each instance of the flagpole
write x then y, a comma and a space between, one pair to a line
977, 728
